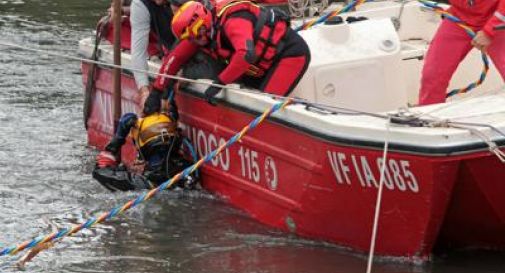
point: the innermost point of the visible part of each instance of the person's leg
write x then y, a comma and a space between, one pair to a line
284, 76
126, 122
497, 52
285, 73
447, 49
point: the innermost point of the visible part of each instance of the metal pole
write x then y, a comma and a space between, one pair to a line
116, 73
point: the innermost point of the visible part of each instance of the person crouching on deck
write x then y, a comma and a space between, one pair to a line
158, 144
451, 44
257, 44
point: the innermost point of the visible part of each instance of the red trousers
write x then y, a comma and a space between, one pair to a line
283, 78
448, 48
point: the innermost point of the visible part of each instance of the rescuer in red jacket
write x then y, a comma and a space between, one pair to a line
256, 43
451, 44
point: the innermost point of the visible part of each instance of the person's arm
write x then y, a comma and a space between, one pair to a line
484, 37
497, 19
140, 21
173, 62
126, 123
171, 65
108, 158
239, 32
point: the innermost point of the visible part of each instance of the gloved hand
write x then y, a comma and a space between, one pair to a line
211, 92
153, 102
106, 159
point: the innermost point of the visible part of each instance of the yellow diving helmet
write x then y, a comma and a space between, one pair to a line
153, 130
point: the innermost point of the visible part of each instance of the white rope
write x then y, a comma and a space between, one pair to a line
183, 79
435, 122
127, 68
499, 154
379, 198
493, 148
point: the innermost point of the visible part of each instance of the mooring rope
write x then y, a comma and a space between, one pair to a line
341, 110
146, 195
378, 202
105, 64
485, 59
492, 146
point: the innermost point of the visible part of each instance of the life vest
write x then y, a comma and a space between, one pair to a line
161, 19
153, 130
270, 28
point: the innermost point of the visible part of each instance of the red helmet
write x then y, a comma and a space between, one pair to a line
189, 18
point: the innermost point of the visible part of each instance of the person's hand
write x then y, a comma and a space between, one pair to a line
141, 96
481, 41
152, 103
210, 94
165, 105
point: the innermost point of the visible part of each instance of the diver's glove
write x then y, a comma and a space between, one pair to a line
106, 159
211, 93
153, 102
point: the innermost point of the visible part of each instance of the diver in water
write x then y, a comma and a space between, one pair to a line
158, 144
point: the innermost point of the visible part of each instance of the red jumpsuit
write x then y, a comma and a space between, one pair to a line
280, 77
451, 44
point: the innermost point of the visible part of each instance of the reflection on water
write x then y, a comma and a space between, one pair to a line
45, 179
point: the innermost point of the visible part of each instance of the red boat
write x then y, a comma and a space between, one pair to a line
314, 169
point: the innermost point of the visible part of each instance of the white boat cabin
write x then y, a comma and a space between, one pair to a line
371, 66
